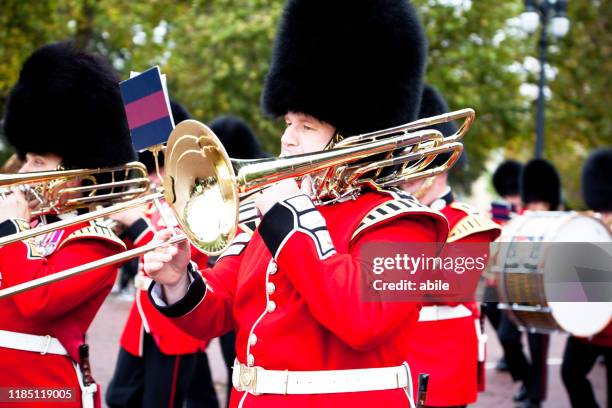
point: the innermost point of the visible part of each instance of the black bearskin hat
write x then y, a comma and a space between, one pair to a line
179, 114
540, 182
238, 139
67, 102
597, 180
433, 104
506, 178
355, 64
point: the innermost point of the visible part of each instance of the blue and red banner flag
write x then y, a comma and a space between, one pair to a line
147, 109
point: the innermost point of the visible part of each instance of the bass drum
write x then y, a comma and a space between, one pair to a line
541, 277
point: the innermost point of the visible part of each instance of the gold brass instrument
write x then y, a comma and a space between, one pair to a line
204, 186
62, 191
89, 216
200, 176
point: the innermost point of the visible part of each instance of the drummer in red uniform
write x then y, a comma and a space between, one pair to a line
540, 191
66, 111
290, 284
581, 353
451, 327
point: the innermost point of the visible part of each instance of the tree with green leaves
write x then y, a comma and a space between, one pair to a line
216, 55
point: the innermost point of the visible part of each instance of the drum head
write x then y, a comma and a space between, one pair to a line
578, 276
582, 319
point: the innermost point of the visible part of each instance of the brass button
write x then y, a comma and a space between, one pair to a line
252, 339
250, 360
271, 306
272, 268
270, 287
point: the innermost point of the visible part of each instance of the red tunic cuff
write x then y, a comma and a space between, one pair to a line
12, 226
195, 294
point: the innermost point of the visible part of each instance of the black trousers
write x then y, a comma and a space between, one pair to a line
494, 314
160, 380
578, 360
532, 373
201, 392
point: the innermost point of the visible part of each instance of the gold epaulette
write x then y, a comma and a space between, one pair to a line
95, 231
401, 204
472, 223
466, 208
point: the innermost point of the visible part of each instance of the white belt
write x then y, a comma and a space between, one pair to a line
435, 312
142, 282
30, 342
47, 345
257, 380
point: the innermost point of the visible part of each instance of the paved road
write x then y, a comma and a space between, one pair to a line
106, 329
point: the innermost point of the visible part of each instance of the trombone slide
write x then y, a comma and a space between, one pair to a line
58, 276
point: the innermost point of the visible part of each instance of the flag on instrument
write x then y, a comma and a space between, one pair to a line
502, 211
147, 109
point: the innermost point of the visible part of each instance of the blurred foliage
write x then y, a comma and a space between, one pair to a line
216, 55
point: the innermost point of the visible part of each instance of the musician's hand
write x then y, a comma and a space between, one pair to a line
33, 202
280, 191
167, 265
14, 205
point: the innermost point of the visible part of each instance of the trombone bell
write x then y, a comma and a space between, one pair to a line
200, 186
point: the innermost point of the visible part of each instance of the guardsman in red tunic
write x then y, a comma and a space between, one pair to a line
580, 353
157, 362
291, 282
64, 110
540, 191
448, 343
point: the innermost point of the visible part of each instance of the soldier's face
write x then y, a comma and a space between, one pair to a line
40, 162
304, 134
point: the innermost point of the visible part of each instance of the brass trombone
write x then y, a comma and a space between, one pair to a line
62, 191
201, 177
